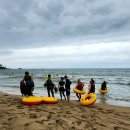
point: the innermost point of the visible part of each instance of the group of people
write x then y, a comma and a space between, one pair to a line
27, 86
80, 85
62, 86
91, 87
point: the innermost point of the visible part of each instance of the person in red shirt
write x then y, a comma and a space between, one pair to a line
79, 86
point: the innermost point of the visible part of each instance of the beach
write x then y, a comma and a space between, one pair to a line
61, 116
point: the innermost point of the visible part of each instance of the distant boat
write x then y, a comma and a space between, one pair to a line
19, 68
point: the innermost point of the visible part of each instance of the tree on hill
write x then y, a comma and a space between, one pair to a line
2, 67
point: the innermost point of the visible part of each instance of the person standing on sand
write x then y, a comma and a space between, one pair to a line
50, 86
24, 88
30, 86
61, 87
67, 87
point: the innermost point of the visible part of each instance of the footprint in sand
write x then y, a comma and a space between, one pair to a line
11, 118
20, 106
60, 122
41, 120
68, 112
27, 124
78, 122
117, 128
49, 116
33, 116
100, 109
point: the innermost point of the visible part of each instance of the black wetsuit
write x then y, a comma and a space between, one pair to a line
103, 86
50, 86
67, 87
62, 89
92, 90
61, 84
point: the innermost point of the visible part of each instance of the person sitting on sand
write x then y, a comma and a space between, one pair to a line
61, 87
79, 86
50, 86
23, 87
91, 87
67, 87
104, 85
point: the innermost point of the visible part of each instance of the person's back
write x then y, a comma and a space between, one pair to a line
92, 90
61, 87
91, 87
30, 86
50, 86
23, 87
26, 76
67, 86
49, 83
61, 83
92, 81
103, 86
30, 83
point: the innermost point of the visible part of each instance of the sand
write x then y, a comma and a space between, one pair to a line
61, 116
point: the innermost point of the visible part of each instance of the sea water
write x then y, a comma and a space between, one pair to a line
118, 82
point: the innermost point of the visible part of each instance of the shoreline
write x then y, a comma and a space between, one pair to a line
100, 98
63, 115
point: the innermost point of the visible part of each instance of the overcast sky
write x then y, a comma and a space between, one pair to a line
65, 33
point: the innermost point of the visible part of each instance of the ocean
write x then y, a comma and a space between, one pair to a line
118, 82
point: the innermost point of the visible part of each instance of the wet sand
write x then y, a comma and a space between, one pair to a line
61, 116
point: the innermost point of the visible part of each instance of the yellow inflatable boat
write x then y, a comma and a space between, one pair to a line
103, 91
31, 100
83, 91
88, 99
49, 100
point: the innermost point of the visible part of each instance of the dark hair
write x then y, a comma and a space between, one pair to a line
49, 75
26, 73
65, 76
29, 78
62, 78
92, 80
105, 82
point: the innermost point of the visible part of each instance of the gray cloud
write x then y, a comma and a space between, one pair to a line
34, 33
35, 23
5, 52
